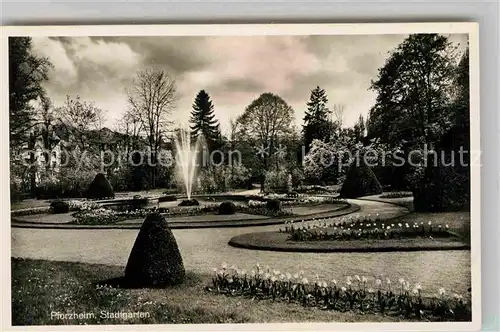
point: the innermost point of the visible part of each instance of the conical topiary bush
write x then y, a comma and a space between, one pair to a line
155, 259
360, 181
100, 188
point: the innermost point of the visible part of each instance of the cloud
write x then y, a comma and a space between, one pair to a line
233, 70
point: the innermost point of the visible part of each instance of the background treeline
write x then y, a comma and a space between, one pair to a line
422, 102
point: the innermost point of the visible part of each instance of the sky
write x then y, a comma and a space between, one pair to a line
233, 70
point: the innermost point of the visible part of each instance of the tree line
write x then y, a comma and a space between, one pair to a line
422, 92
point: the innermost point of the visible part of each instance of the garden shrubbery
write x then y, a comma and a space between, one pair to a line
227, 208
100, 188
155, 259
59, 206
167, 198
273, 204
446, 187
360, 181
189, 202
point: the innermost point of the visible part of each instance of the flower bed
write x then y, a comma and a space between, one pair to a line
397, 194
364, 229
358, 294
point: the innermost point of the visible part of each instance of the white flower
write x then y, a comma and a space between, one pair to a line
442, 291
430, 222
400, 225
415, 291
364, 279
447, 226
344, 289
401, 280
388, 227
378, 282
357, 278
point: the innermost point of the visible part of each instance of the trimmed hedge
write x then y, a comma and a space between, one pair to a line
167, 198
360, 181
100, 188
155, 259
273, 204
227, 208
59, 207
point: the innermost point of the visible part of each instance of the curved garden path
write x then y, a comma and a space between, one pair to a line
203, 249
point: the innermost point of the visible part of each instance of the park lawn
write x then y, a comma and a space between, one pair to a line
41, 287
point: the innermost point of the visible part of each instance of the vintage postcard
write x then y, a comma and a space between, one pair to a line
214, 177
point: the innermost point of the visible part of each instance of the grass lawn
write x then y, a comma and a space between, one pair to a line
40, 288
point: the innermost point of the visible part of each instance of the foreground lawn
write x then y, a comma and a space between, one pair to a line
43, 288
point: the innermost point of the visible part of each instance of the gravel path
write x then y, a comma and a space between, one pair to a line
203, 249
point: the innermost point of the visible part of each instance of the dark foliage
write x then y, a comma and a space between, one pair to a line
59, 207
189, 202
167, 198
155, 259
446, 187
100, 188
316, 123
227, 208
360, 181
273, 204
203, 121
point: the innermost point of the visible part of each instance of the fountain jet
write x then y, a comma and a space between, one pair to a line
186, 155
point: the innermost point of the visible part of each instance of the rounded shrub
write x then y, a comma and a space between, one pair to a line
227, 208
155, 259
59, 207
273, 204
189, 202
100, 188
360, 181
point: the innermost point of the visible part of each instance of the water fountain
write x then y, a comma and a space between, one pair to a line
186, 161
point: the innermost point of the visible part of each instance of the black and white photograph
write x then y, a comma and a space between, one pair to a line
242, 174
